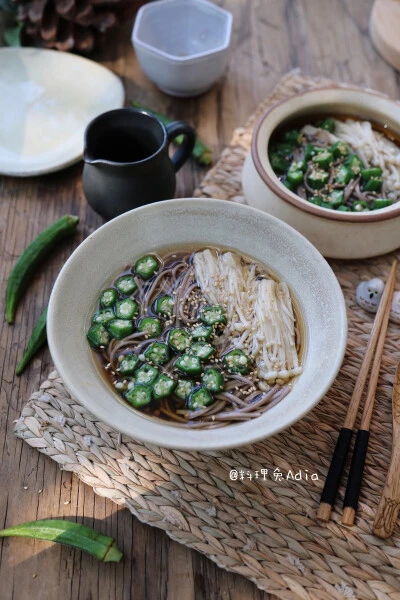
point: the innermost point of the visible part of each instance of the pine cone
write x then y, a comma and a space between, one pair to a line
70, 24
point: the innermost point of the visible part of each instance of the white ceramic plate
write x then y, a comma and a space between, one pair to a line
205, 222
46, 100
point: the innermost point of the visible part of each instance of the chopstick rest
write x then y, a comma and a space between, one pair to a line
389, 504
342, 445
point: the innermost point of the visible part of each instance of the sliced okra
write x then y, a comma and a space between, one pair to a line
295, 178
278, 163
366, 174
323, 160
164, 305
126, 284
163, 386
146, 266
98, 336
310, 151
178, 339
360, 206
285, 149
343, 175
151, 326
236, 361
340, 149
381, 203
120, 328
318, 200
104, 315
184, 388
202, 349
298, 165
354, 163
108, 298
317, 179
188, 364
126, 309
292, 137
213, 315
213, 380
146, 375
328, 125
128, 364
288, 184
139, 396
374, 184
202, 332
200, 398
335, 198
157, 353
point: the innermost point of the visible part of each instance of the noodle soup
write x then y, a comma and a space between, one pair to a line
338, 163
201, 338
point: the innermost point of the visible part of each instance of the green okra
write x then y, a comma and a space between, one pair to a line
72, 534
27, 264
201, 152
37, 340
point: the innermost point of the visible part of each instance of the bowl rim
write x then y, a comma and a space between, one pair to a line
203, 444
292, 198
173, 57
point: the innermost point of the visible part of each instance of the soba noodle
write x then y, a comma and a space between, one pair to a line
340, 164
271, 341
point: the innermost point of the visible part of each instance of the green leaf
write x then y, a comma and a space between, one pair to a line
12, 35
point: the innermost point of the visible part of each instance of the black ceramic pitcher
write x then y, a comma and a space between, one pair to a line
127, 162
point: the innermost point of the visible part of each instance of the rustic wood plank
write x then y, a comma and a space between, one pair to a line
322, 37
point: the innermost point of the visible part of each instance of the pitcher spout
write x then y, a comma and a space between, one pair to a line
90, 159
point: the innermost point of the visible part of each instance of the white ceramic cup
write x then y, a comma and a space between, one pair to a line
182, 45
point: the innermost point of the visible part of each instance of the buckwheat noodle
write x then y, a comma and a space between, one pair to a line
242, 398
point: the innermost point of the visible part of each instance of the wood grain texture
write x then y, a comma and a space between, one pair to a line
384, 28
322, 37
387, 511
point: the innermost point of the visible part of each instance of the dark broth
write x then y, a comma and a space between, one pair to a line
168, 409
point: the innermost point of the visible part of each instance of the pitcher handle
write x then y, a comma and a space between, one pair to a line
174, 130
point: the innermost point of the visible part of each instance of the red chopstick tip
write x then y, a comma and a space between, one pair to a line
324, 512
348, 516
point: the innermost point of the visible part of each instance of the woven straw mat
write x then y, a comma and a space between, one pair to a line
264, 528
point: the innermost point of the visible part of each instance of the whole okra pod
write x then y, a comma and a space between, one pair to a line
79, 536
37, 340
27, 264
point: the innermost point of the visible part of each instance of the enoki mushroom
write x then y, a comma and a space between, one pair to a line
245, 291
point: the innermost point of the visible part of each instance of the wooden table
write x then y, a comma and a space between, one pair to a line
270, 37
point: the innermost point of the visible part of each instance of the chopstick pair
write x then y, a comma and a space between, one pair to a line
373, 351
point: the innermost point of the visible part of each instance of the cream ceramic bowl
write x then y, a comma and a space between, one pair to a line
205, 222
335, 234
